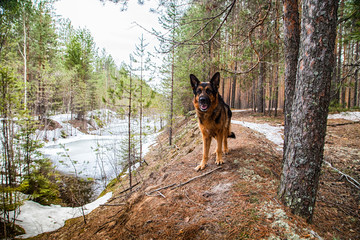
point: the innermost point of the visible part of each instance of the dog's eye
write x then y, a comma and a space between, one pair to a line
208, 91
198, 91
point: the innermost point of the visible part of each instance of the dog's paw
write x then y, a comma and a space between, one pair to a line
226, 151
200, 167
219, 161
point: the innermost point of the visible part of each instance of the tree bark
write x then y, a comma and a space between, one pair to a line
356, 77
261, 79
303, 154
291, 52
233, 87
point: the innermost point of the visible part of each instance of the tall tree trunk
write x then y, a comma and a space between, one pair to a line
343, 78
233, 87
276, 59
356, 102
129, 135
172, 97
270, 91
25, 60
261, 78
291, 52
141, 107
338, 83
304, 150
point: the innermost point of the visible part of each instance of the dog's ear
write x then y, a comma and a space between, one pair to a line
194, 81
215, 80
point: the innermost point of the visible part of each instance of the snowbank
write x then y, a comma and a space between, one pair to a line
37, 219
352, 116
273, 133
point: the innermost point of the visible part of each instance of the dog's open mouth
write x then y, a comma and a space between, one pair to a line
204, 107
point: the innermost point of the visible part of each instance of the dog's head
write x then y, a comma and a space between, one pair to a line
205, 93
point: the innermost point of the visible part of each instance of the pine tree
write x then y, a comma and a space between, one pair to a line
303, 154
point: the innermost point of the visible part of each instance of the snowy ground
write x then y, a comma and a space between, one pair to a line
94, 155
352, 116
275, 133
36, 219
97, 155
272, 133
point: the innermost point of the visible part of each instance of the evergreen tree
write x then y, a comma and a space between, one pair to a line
79, 58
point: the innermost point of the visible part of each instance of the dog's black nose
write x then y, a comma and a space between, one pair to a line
202, 99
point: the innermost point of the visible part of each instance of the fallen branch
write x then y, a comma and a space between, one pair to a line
313, 233
192, 179
129, 188
158, 189
351, 180
112, 205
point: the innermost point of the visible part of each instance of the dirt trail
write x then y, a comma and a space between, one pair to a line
237, 201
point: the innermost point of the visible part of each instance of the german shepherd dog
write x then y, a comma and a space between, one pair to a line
214, 117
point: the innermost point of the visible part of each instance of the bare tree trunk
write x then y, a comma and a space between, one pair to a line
291, 52
233, 87
141, 107
25, 61
303, 155
342, 81
276, 59
338, 84
270, 91
261, 78
172, 98
129, 135
356, 102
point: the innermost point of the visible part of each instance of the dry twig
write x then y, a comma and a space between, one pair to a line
351, 180
192, 179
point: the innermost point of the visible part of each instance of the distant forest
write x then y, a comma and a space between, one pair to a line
57, 68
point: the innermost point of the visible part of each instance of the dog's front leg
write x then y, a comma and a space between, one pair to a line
206, 148
219, 139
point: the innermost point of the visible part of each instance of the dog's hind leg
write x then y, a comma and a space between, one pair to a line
206, 148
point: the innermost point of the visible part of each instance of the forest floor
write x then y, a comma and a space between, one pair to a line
236, 201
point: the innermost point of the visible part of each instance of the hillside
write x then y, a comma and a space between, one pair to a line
236, 201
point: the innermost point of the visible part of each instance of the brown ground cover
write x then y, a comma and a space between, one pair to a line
236, 201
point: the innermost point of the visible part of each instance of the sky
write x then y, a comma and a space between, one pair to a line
110, 27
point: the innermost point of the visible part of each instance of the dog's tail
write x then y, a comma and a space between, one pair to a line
232, 135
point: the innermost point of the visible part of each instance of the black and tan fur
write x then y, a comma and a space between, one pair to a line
214, 117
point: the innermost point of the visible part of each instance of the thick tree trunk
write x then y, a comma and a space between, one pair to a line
303, 155
291, 52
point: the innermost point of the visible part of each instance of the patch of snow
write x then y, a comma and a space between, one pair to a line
275, 133
352, 116
272, 133
96, 155
241, 110
36, 219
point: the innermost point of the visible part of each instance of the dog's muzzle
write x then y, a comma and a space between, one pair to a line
204, 103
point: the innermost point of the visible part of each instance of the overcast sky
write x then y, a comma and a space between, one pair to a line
110, 27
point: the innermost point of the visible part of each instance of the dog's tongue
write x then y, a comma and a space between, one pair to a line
203, 106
